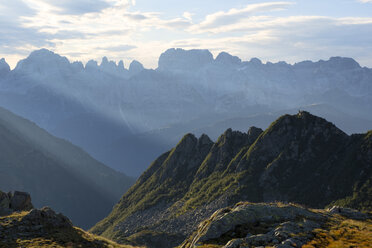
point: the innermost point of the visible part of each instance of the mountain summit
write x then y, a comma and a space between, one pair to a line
184, 60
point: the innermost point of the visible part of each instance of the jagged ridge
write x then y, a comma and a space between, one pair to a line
300, 158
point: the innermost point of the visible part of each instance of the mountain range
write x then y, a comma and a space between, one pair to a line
145, 111
299, 158
56, 173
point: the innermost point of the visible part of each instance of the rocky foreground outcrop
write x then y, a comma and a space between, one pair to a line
45, 228
14, 201
274, 225
23, 226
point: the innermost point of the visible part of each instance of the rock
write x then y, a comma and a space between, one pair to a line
17, 201
179, 60
291, 243
135, 67
20, 201
226, 59
253, 225
4, 67
46, 216
348, 213
4, 200
259, 239
235, 243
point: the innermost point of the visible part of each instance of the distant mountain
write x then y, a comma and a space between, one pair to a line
4, 67
299, 158
128, 105
55, 172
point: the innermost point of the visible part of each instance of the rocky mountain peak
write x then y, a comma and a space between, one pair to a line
121, 65
104, 61
179, 60
43, 61
342, 63
77, 66
227, 146
225, 58
304, 122
255, 61
135, 67
187, 141
91, 65
204, 139
237, 138
254, 132
108, 66
4, 67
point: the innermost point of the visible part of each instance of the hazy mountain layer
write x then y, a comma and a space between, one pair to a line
99, 107
299, 158
55, 172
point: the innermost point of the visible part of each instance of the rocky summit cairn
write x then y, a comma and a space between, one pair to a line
14, 201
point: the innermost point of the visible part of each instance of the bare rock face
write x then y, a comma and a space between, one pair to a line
260, 224
4, 204
47, 217
14, 201
20, 201
4, 67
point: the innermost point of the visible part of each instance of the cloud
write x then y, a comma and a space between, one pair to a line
136, 16
365, 1
111, 28
119, 48
175, 23
187, 15
77, 7
221, 19
14, 38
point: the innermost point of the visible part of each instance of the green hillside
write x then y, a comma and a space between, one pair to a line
300, 158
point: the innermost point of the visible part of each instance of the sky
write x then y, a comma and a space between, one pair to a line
291, 31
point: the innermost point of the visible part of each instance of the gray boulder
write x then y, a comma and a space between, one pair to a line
20, 201
14, 201
47, 217
348, 213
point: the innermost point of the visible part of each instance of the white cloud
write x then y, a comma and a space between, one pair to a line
221, 19
365, 1
187, 15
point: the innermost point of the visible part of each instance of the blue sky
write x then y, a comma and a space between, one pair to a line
291, 30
